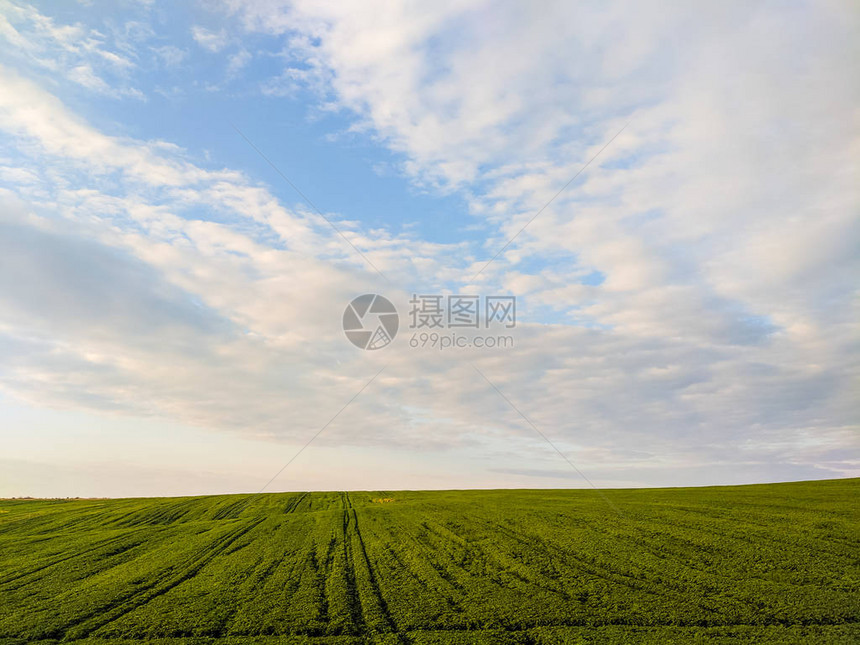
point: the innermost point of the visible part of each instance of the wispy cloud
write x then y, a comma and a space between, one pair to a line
237, 62
212, 41
72, 52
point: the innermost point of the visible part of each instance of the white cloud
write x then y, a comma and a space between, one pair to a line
170, 55
212, 41
84, 75
73, 52
236, 62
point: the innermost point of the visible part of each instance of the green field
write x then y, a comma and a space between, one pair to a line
769, 563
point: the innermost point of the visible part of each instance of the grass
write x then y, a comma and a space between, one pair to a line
772, 563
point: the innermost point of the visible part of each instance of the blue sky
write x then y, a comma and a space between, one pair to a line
170, 307
194, 99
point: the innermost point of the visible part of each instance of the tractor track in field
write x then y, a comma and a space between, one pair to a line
590, 567
741, 532
260, 577
293, 567
443, 574
324, 574
231, 511
78, 554
86, 624
572, 560
390, 623
293, 581
293, 504
509, 563
502, 562
320, 574
356, 610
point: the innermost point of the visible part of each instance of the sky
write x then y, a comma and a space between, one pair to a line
192, 193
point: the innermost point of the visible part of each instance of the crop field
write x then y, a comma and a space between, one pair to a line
771, 563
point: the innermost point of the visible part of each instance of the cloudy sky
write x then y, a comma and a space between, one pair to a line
191, 193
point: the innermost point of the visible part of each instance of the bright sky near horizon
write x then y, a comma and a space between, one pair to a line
171, 308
